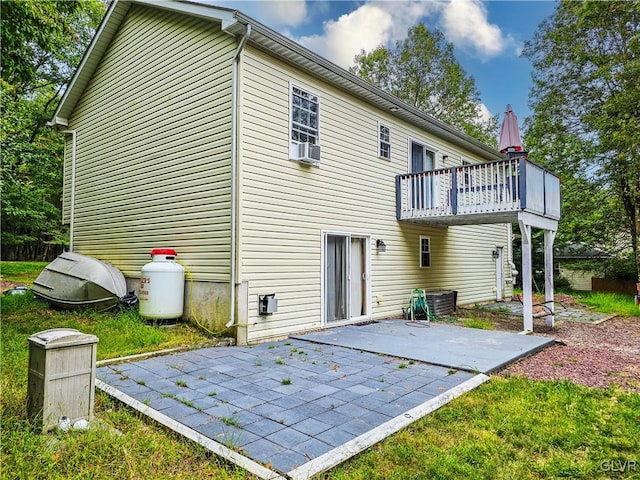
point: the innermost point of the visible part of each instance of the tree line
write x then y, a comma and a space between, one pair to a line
42, 43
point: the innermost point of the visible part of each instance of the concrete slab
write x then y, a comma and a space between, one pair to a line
469, 349
304, 405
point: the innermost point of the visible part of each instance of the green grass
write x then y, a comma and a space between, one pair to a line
141, 449
480, 323
613, 303
21, 272
508, 428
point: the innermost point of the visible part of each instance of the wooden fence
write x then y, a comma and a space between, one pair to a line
613, 285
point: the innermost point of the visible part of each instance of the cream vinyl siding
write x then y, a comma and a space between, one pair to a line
285, 206
153, 146
578, 279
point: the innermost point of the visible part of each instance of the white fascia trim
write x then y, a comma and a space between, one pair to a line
58, 122
208, 12
87, 55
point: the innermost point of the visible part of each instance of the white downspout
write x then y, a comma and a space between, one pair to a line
234, 160
72, 201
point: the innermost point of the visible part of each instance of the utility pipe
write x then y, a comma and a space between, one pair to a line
72, 201
234, 160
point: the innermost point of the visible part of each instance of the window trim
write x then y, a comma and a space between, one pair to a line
428, 238
308, 91
381, 141
425, 146
469, 180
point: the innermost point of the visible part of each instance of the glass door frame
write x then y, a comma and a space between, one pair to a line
367, 273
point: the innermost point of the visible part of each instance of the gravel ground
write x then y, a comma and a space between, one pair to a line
599, 356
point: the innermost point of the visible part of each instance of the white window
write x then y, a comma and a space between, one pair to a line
305, 111
384, 141
425, 252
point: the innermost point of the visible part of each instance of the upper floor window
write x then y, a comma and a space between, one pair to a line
305, 110
384, 141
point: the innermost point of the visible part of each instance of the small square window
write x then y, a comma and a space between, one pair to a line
425, 252
384, 141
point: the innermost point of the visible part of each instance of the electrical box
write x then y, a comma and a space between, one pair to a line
62, 375
267, 304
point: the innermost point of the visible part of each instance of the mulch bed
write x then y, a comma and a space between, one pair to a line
601, 356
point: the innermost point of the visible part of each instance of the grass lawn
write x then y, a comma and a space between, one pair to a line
614, 303
21, 272
509, 428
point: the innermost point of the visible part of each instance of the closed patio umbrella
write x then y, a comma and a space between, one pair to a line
509, 134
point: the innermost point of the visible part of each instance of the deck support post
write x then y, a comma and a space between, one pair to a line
549, 238
527, 272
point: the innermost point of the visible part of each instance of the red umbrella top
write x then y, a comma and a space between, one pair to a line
509, 134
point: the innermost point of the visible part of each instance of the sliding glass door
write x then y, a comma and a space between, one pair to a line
422, 160
346, 276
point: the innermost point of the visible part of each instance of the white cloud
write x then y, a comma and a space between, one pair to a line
406, 14
274, 13
365, 28
463, 22
369, 26
290, 13
466, 25
483, 113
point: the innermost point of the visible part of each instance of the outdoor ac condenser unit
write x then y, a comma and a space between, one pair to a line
308, 153
442, 302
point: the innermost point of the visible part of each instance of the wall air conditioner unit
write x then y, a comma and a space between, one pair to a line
308, 153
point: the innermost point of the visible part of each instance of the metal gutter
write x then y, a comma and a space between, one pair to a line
72, 201
234, 23
234, 169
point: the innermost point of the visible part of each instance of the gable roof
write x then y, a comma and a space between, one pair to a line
235, 23
580, 251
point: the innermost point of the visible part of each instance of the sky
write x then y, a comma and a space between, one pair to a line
488, 36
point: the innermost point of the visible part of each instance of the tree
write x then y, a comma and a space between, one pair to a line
586, 104
42, 43
422, 71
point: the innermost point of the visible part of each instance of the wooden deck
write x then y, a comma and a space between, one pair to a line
495, 192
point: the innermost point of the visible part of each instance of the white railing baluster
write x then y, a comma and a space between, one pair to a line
481, 188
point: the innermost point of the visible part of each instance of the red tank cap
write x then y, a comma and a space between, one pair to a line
164, 251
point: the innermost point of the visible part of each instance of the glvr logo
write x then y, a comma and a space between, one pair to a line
619, 466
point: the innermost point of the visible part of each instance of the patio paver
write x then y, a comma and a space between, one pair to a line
292, 405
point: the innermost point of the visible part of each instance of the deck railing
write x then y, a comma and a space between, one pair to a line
504, 186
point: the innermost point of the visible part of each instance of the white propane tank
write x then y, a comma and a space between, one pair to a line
161, 292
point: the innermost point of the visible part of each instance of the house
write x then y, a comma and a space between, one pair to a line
579, 264
273, 171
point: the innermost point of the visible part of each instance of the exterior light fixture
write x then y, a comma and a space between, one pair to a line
380, 246
495, 254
